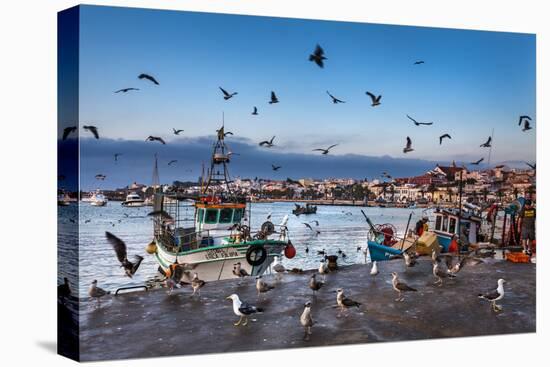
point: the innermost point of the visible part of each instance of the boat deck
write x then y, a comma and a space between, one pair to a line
147, 324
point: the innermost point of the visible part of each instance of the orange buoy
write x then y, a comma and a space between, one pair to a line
290, 251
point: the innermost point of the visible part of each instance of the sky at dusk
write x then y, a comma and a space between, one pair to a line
471, 83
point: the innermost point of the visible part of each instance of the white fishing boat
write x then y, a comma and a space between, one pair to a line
133, 200
211, 234
98, 199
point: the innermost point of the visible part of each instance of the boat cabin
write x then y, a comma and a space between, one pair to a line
218, 216
447, 226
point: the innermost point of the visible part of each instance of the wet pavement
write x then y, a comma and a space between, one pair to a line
148, 324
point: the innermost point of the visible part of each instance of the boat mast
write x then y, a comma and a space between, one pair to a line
218, 174
156, 179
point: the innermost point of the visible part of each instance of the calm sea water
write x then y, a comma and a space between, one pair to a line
341, 228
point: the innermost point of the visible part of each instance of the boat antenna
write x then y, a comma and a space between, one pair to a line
491, 148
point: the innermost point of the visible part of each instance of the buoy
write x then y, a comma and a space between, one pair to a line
151, 248
290, 251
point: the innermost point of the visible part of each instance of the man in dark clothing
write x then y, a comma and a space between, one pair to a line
528, 216
420, 226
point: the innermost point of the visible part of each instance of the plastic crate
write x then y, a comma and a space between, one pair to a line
518, 257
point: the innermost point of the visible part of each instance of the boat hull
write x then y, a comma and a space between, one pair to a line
216, 262
133, 204
380, 252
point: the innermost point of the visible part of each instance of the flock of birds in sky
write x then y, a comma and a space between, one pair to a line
318, 57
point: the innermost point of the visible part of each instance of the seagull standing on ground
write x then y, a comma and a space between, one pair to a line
197, 284
318, 56
374, 269
400, 287
439, 274
306, 320
344, 302
314, 284
262, 287
375, 99
119, 246
278, 267
95, 292
495, 295
92, 129
239, 272
323, 268
243, 309
408, 146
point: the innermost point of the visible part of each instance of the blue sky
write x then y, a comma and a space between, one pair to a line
471, 82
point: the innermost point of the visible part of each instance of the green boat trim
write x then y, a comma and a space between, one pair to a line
238, 246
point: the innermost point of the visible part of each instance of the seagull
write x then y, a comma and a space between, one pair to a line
440, 274
532, 166
314, 284
255, 112
316, 222
155, 138
323, 268
238, 271
116, 155
100, 176
275, 168
243, 309
95, 292
172, 162
177, 131
400, 287
375, 99
322, 252
311, 228
176, 273
477, 162
148, 77
410, 259
67, 131
526, 125
418, 62
419, 123
374, 269
334, 99
126, 90
120, 249
162, 214
64, 290
263, 287
91, 129
306, 321
487, 144
522, 118
344, 302
274, 98
227, 95
318, 56
197, 284
325, 151
267, 143
443, 137
408, 147
365, 253
278, 267
454, 269
495, 295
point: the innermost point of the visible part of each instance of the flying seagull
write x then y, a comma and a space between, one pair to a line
375, 99
162, 214
526, 125
255, 112
95, 292
417, 123
532, 166
243, 309
91, 129
324, 151
197, 284
155, 138
148, 77
67, 131
226, 94
477, 162
306, 320
126, 90
177, 131
418, 62
522, 118
116, 155
443, 137
120, 250
172, 162
408, 146
318, 56
274, 98
275, 168
487, 144
334, 99
316, 222
400, 287
314, 284
262, 286
495, 295
311, 228
100, 176
344, 302
267, 143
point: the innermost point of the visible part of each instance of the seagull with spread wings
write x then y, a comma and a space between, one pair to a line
125, 90
408, 146
119, 246
324, 151
375, 99
177, 131
444, 136
318, 56
267, 143
334, 99
487, 144
226, 94
148, 77
476, 163
418, 123
255, 112
155, 138
92, 129
274, 98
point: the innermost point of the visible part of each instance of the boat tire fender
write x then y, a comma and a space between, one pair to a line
256, 255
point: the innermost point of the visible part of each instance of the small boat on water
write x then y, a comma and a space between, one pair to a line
306, 209
133, 200
383, 243
211, 233
98, 199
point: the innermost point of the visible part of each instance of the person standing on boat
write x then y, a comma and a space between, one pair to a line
528, 216
421, 226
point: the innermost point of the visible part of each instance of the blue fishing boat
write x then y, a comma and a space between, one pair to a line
383, 243
446, 226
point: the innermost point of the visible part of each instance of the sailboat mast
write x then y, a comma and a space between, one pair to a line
491, 147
